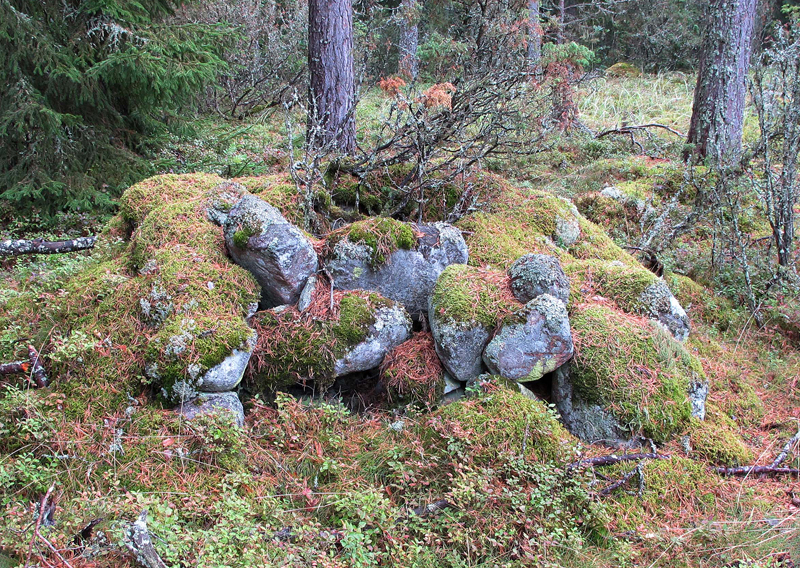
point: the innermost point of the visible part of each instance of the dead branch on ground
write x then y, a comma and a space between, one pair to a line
32, 367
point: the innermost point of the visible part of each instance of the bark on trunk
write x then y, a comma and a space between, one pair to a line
332, 83
409, 39
718, 111
534, 36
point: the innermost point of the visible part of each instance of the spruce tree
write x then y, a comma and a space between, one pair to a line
84, 87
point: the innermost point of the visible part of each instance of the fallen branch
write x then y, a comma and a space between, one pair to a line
625, 478
629, 129
137, 539
786, 449
432, 509
39, 246
612, 459
43, 504
756, 470
32, 367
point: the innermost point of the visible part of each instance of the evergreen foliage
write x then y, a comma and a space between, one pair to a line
85, 86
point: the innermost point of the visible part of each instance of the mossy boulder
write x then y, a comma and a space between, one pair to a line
321, 344
399, 260
225, 404
278, 254
623, 69
412, 372
466, 305
628, 375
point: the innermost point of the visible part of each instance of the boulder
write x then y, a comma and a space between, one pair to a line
661, 306
529, 349
228, 374
407, 274
278, 254
535, 274
221, 200
459, 344
390, 328
567, 226
213, 403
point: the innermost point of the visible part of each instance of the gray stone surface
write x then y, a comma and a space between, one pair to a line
568, 229
408, 276
212, 403
276, 252
535, 274
391, 328
589, 422
698, 393
221, 200
660, 305
526, 351
482, 381
307, 294
459, 345
228, 374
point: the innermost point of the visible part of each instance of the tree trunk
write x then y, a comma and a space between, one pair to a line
562, 21
718, 111
409, 39
331, 122
534, 36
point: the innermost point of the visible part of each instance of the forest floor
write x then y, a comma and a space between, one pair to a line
318, 486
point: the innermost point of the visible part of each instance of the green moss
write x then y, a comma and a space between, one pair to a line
620, 283
382, 235
465, 293
634, 369
242, 236
356, 315
501, 422
715, 440
623, 69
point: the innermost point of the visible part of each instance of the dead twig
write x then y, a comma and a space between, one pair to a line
32, 367
629, 129
756, 470
786, 449
613, 458
619, 483
41, 514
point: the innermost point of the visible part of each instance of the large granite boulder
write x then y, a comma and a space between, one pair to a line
660, 305
401, 261
278, 254
227, 375
535, 274
529, 349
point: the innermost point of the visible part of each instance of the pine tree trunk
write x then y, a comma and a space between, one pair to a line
718, 111
332, 83
562, 21
409, 39
534, 36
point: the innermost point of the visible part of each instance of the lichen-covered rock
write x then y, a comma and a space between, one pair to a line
529, 349
226, 403
227, 375
221, 200
390, 328
399, 260
466, 305
664, 308
535, 274
307, 294
568, 227
278, 254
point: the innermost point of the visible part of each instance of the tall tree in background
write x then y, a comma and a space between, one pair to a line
332, 76
718, 111
534, 35
408, 65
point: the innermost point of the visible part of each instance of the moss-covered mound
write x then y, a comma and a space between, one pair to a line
621, 283
412, 372
164, 307
302, 348
633, 369
503, 422
523, 221
464, 293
